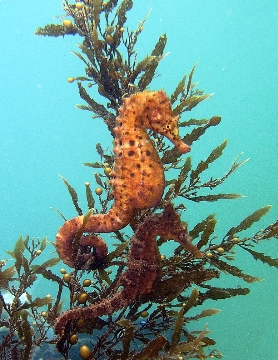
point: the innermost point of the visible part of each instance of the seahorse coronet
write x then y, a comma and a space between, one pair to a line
138, 177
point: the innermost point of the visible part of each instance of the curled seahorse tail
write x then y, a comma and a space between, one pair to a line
115, 219
65, 238
99, 245
93, 248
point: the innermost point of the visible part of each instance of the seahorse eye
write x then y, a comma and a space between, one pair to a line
183, 235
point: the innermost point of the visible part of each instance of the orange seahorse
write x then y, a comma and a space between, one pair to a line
138, 177
143, 268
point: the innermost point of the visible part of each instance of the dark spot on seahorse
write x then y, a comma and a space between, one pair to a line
131, 142
148, 153
131, 153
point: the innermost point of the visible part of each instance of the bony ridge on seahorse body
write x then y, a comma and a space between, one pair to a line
143, 268
138, 177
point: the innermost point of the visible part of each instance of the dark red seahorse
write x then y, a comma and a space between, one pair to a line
143, 267
138, 177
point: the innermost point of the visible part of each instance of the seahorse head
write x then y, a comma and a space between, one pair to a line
158, 116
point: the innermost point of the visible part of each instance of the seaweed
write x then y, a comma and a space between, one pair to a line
23, 322
154, 325
189, 183
73, 195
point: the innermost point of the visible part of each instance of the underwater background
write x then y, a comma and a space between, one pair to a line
43, 134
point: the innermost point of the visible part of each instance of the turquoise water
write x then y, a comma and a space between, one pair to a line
43, 134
